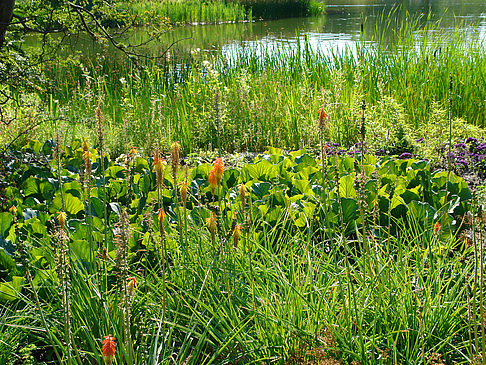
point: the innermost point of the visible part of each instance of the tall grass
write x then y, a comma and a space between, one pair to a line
269, 95
189, 11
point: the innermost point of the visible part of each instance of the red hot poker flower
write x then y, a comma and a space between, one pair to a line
109, 349
322, 118
218, 169
213, 181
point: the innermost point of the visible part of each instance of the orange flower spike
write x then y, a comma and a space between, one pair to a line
161, 216
211, 222
322, 118
133, 151
436, 227
218, 169
109, 349
213, 182
13, 210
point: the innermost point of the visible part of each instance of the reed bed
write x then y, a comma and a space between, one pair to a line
192, 11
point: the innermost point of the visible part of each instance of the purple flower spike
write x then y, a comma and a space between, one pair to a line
460, 145
471, 139
405, 155
420, 140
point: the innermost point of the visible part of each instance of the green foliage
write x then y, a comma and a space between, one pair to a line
323, 269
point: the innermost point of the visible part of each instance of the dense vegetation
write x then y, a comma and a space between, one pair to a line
184, 11
283, 258
353, 239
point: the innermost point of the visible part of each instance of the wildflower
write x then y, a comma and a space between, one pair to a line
236, 235
405, 155
218, 169
436, 227
87, 157
133, 151
213, 182
175, 155
61, 218
131, 285
242, 191
322, 118
104, 253
211, 223
13, 210
159, 165
161, 216
375, 203
183, 191
109, 349
85, 145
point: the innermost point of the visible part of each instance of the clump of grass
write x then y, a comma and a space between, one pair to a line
190, 11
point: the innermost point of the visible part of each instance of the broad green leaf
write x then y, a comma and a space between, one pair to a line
263, 170
144, 184
346, 186
422, 212
31, 186
5, 222
350, 209
97, 207
72, 203
10, 291
260, 189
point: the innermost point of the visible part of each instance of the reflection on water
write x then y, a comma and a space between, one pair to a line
339, 28
336, 30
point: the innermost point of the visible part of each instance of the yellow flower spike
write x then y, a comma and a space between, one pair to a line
175, 150
159, 166
131, 285
183, 191
85, 145
242, 190
61, 218
236, 235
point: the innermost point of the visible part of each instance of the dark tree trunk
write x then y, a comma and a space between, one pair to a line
6, 13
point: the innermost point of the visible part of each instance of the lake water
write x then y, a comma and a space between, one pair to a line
338, 28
